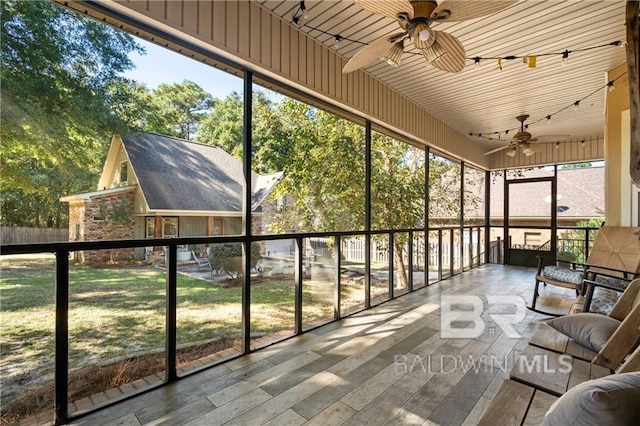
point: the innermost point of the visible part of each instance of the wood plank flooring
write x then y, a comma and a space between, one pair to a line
388, 365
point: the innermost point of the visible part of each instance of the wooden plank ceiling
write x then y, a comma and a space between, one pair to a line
483, 99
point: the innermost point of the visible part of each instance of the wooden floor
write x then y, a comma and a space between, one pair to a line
388, 365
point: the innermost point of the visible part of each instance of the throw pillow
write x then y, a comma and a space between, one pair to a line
588, 329
610, 400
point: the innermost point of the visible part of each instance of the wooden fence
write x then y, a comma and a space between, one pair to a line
24, 235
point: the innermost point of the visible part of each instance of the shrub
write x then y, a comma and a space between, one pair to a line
227, 257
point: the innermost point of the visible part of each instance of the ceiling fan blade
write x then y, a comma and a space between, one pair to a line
552, 138
500, 149
457, 10
370, 53
446, 53
389, 8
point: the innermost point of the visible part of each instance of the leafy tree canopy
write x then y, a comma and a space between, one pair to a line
179, 108
224, 128
56, 71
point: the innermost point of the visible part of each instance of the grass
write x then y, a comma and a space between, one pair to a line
119, 312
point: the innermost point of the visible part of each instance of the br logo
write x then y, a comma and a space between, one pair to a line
461, 316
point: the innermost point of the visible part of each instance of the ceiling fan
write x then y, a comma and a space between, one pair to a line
440, 49
521, 139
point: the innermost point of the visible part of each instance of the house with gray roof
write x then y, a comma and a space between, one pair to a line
580, 197
155, 186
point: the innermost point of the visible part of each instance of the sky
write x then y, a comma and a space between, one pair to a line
162, 65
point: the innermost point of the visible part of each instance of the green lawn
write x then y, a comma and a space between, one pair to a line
119, 311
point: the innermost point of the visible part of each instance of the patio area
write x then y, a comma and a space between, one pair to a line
397, 363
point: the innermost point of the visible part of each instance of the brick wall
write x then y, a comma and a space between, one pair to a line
256, 224
272, 210
109, 217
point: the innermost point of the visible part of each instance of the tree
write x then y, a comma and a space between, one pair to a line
179, 109
224, 128
324, 172
57, 69
397, 192
444, 194
132, 103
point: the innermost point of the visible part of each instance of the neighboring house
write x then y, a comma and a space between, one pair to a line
155, 186
580, 197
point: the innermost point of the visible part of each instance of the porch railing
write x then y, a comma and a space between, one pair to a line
434, 253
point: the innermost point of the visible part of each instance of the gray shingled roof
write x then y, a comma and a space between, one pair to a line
581, 192
175, 174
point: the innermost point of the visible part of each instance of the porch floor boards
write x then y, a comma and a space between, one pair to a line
387, 365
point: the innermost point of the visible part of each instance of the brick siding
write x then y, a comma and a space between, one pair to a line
108, 217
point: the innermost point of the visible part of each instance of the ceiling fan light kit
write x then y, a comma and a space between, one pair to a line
440, 49
522, 135
527, 150
521, 139
435, 52
393, 56
421, 35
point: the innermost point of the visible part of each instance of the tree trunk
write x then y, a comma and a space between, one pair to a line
398, 264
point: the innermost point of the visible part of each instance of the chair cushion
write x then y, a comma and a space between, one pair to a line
566, 275
588, 329
612, 281
603, 300
610, 400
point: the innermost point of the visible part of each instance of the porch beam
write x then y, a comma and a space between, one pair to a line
247, 149
487, 216
633, 69
426, 215
61, 375
298, 278
171, 340
367, 215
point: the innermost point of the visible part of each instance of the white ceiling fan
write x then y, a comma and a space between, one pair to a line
440, 49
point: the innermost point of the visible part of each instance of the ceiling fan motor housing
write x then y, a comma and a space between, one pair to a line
522, 136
